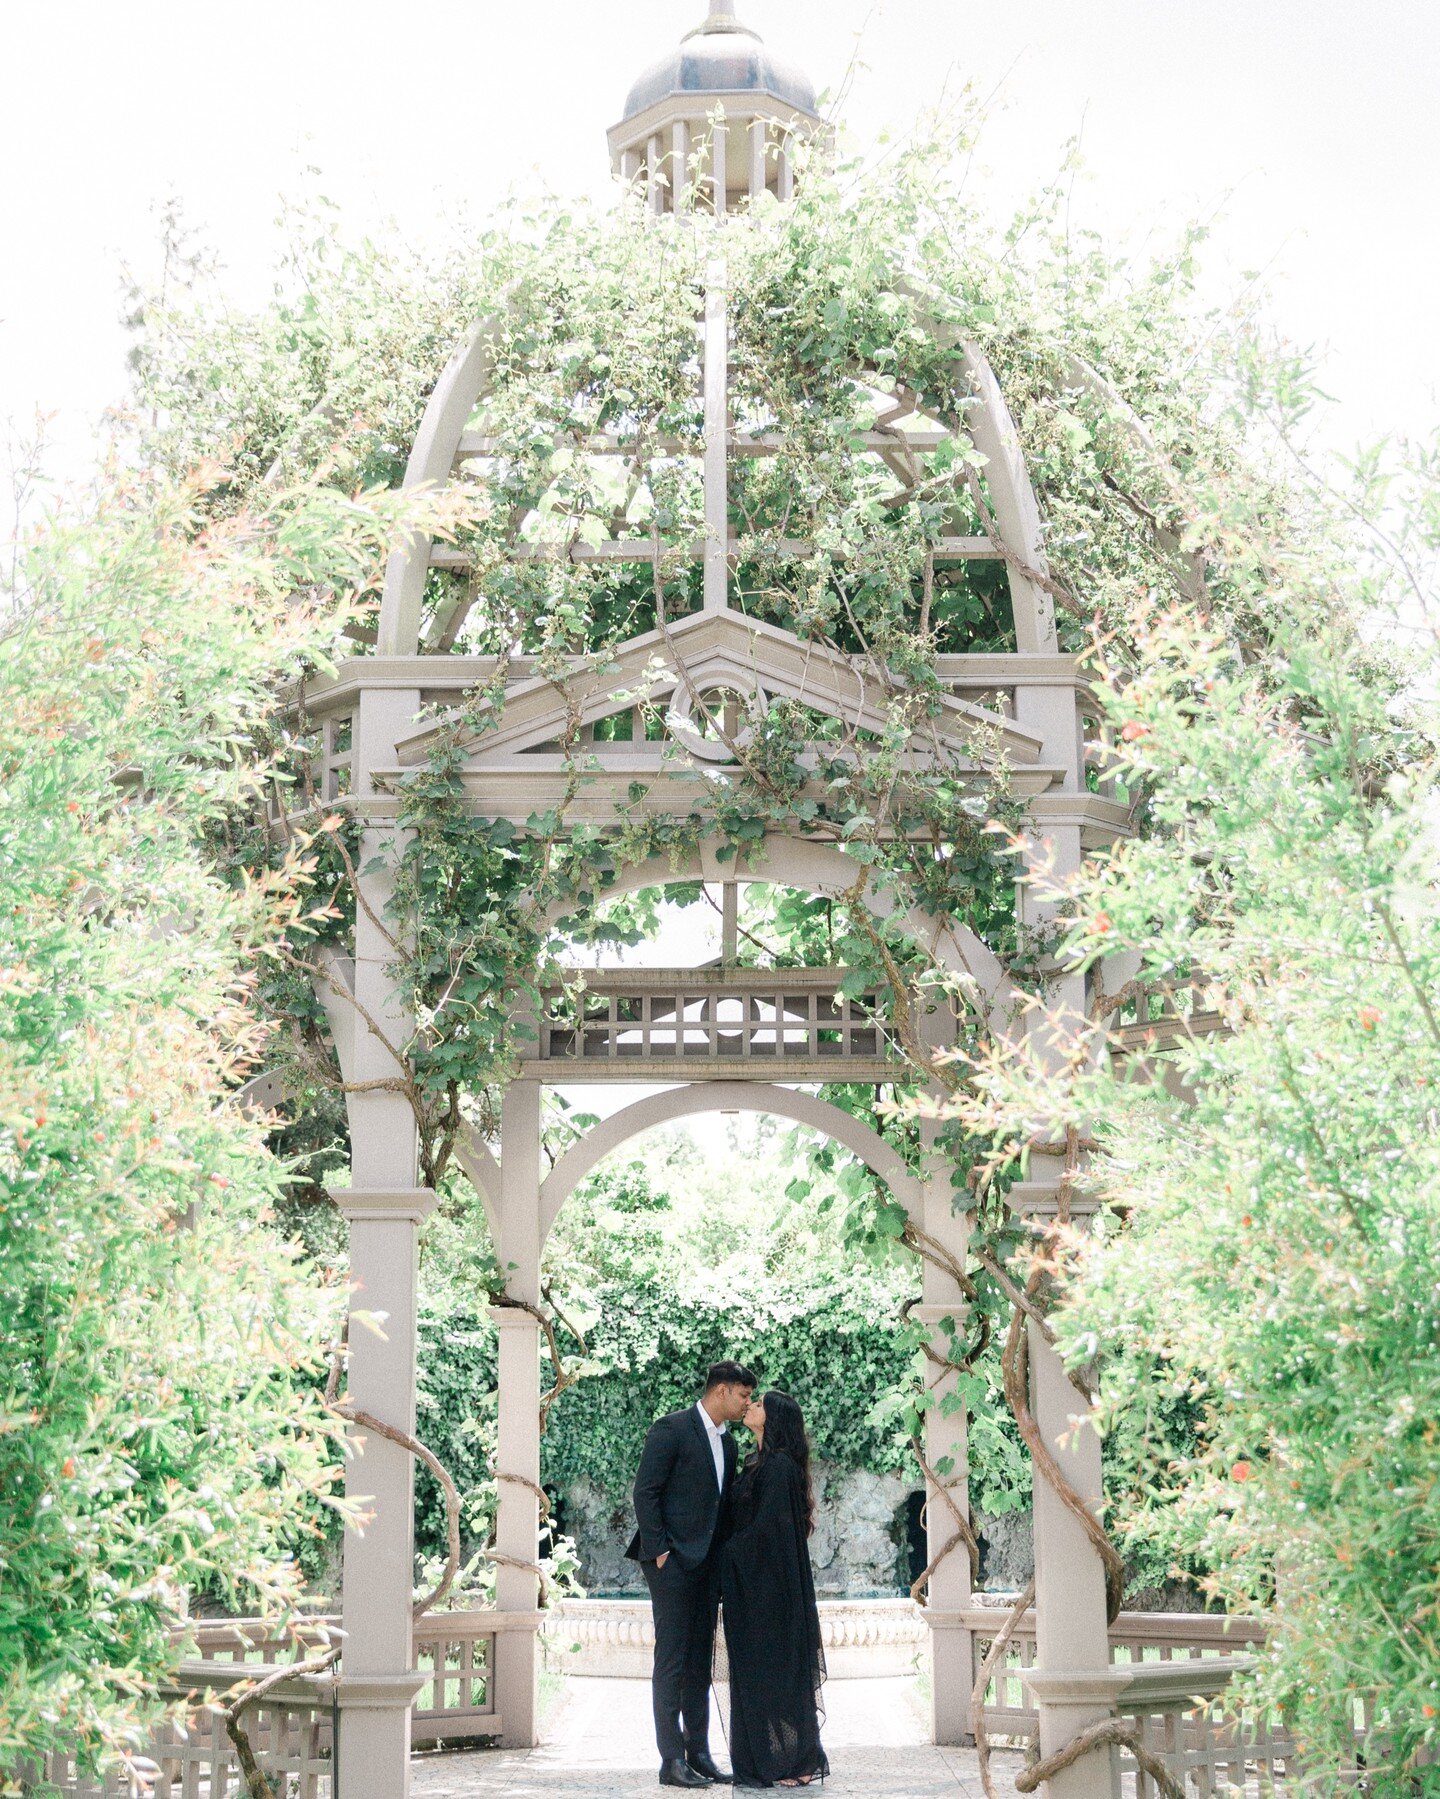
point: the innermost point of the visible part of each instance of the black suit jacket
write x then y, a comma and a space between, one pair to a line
678, 1506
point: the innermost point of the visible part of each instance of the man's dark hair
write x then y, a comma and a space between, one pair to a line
729, 1374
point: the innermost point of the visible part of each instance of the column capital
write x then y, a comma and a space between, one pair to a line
1041, 1200
937, 1314
384, 1205
378, 1692
513, 1318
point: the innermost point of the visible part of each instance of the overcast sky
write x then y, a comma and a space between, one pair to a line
1309, 128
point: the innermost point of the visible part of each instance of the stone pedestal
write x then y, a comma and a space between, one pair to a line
378, 1684
517, 1528
945, 1311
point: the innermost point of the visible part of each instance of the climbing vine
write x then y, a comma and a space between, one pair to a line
1140, 418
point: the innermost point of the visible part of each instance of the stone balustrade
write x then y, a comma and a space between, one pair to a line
863, 1638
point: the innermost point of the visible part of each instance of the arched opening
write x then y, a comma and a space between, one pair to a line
709, 1230
727, 1027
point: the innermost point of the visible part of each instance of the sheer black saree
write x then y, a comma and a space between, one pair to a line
772, 1630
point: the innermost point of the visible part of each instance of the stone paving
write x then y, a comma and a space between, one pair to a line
599, 1744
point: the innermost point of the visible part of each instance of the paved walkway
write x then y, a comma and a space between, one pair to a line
599, 1744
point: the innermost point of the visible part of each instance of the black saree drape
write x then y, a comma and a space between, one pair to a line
772, 1629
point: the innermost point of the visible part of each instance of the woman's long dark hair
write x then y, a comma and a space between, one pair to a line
785, 1435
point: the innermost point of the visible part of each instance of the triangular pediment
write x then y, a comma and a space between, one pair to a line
708, 651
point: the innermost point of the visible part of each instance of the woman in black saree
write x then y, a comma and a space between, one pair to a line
767, 1588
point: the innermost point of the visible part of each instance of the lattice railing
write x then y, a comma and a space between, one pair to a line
291, 1735
1163, 1014
1135, 1637
1208, 1751
1202, 1742
292, 1731
747, 1016
456, 1650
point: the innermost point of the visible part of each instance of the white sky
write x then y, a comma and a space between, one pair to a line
1309, 126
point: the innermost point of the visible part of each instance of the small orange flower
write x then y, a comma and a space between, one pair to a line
1134, 731
1370, 1016
68, 1469
1102, 922
1240, 1471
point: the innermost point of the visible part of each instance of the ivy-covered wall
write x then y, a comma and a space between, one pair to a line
662, 1265
829, 1350
836, 1356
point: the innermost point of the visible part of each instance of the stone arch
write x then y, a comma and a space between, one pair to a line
863, 1140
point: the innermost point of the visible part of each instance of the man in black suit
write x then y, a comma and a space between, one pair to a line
682, 1496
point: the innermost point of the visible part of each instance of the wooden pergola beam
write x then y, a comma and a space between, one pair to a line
640, 551
475, 444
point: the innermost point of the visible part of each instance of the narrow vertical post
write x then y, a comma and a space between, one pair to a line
946, 1312
1071, 1683
385, 1208
719, 133
785, 175
730, 923
717, 435
679, 164
758, 132
517, 1528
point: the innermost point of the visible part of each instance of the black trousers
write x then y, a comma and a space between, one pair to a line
685, 1603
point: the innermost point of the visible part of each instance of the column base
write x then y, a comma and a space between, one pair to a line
372, 1753
952, 1679
516, 1674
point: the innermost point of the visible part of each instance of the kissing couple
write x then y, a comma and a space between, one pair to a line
714, 1534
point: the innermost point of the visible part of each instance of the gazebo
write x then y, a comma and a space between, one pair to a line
715, 132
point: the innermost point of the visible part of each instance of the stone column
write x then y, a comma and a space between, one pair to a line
946, 1311
1071, 1679
385, 1207
951, 1642
516, 1672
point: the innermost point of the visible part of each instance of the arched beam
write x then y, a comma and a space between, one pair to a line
728, 1096
464, 382
824, 868
1017, 512
978, 401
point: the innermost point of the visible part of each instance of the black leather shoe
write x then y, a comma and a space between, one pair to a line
675, 1773
700, 1761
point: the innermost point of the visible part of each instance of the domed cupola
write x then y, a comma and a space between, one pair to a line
719, 111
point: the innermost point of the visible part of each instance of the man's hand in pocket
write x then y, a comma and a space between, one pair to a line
660, 1560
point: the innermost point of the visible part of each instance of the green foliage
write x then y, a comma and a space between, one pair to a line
1280, 1259
668, 1269
1275, 1251
160, 1430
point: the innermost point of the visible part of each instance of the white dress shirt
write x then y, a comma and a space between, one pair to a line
717, 1444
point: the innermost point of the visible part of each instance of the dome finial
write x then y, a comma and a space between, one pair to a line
721, 18
714, 119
